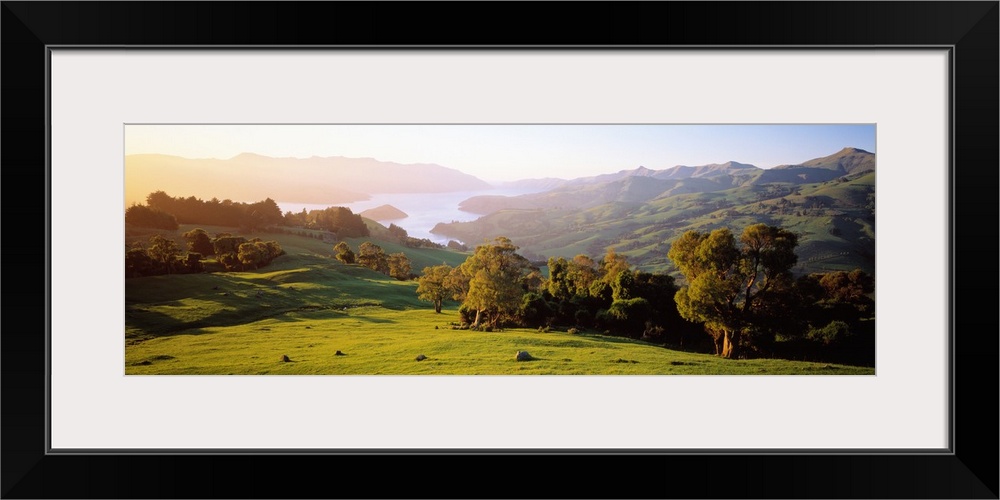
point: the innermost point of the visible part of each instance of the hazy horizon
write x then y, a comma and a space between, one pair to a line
503, 153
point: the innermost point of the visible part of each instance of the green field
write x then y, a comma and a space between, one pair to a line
307, 306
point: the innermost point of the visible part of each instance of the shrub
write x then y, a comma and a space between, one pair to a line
834, 332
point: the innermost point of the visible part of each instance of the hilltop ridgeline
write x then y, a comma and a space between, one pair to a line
320, 180
828, 201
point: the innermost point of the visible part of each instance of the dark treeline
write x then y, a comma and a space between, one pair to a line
163, 211
143, 216
739, 298
162, 255
836, 321
159, 256
338, 220
247, 216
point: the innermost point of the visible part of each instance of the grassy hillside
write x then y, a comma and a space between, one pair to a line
376, 340
314, 246
834, 220
307, 306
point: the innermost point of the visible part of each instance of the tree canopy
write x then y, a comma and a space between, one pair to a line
344, 252
191, 210
727, 281
432, 285
373, 257
199, 241
495, 272
399, 266
143, 216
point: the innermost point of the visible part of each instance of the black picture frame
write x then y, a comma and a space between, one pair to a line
969, 28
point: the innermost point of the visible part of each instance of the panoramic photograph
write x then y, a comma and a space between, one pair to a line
521, 249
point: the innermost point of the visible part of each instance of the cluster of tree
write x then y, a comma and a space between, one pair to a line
744, 294
408, 241
160, 256
163, 211
739, 290
496, 286
143, 216
836, 319
248, 216
164, 256
237, 253
372, 256
610, 296
339, 220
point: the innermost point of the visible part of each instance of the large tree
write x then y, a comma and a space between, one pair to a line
558, 284
495, 272
373, 257
399, 266
164, 251
432, 285
727, 281
199, 242
251, 254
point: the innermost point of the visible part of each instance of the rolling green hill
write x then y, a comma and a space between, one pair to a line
307, 306
829, 202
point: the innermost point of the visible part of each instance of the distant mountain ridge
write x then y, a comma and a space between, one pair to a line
711, 170
847, 161
619, 187
320, 180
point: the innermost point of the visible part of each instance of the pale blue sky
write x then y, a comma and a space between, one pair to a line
510, 152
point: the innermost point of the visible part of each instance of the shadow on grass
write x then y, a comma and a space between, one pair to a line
600, 337
369, 319
151, 324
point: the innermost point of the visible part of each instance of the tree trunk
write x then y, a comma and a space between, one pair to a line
730, 344
437, 306
716, 341
475, 323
